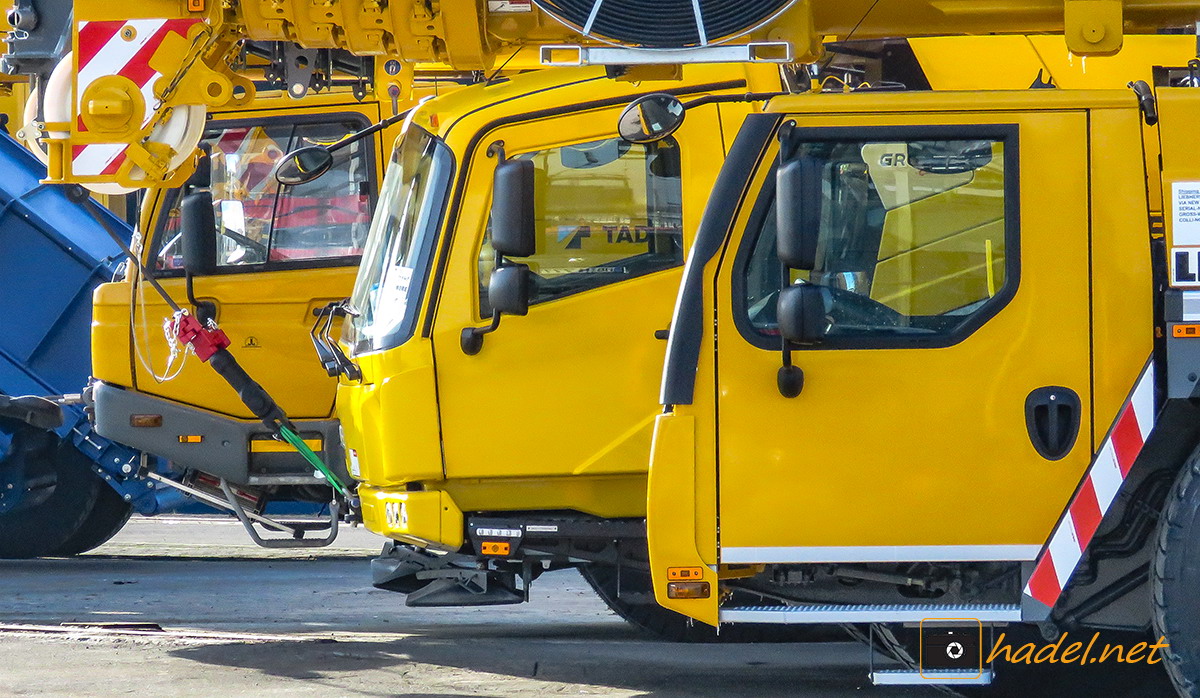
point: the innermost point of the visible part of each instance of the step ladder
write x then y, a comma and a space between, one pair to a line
870, 613
913, 677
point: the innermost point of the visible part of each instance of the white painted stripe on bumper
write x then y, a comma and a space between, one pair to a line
880, 553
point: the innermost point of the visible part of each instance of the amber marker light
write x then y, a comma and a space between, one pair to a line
489, 547
190, 438
683, 574
688, 590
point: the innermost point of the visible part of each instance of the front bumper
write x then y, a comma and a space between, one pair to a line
427, 519
241, 452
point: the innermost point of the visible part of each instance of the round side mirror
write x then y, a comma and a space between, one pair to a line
303, 165
650, 118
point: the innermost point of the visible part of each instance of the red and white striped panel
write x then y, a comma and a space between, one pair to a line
1103, 481
102, 50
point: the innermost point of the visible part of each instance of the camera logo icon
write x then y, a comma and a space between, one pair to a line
951, 648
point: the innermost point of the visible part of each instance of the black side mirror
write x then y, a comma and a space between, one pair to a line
509, 289
303, 165
801, 313
513, 233
798, 212
198, 230
651, 118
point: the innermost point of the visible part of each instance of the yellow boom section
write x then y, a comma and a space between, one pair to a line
133, 94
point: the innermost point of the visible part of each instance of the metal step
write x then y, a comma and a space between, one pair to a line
911, 677
871, 613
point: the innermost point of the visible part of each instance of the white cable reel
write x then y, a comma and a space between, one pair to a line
181, 131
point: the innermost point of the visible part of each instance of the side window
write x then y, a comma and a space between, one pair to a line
914, 240
607, 211
259, 221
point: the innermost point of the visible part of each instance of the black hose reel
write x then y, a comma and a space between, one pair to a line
664, 23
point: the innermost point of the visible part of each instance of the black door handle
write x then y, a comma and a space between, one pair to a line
1052, 416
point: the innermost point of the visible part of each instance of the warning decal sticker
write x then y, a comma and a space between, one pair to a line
1185, 234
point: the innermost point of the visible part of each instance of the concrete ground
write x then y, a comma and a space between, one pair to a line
236, 619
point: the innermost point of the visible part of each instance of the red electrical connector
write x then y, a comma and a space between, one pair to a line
203, 340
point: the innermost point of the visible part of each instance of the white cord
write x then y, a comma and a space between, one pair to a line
171, 371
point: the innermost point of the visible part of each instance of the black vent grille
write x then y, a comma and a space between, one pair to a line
663, 23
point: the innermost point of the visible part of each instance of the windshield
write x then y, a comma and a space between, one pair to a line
399, 247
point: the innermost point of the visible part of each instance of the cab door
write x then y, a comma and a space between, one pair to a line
283, 251
945, 408
569, 388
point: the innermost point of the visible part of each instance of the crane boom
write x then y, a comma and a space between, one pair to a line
125, 106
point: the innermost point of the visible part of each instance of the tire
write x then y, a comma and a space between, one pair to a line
666, 624
1174, 576
108, 516
40, 530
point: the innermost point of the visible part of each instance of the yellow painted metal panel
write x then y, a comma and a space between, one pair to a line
428, 519
672, 524
887, 447
608, 496
1122, 289
578, 375
389, 419
270, 339
111, 360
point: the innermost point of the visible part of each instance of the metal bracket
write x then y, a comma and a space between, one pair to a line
753, 52
296, 541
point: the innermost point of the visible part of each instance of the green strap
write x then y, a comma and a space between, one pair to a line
298, 443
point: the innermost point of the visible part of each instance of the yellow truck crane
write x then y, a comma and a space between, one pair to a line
1019, 322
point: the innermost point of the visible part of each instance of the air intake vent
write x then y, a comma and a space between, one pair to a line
663, 23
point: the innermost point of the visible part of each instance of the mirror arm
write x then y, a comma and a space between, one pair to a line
790, 378
205, 310
472, 337
372, 129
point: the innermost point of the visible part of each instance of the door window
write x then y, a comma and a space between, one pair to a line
262, 223
605, 211
917, 240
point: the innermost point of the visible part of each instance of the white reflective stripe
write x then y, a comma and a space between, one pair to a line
1106, 476
1143, 402
879, 553
797, 615
117, 53
94, 158
1064, 550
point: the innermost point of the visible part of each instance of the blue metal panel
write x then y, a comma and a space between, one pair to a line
53, 254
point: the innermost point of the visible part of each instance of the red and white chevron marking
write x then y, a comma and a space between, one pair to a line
1100, 486
102, 50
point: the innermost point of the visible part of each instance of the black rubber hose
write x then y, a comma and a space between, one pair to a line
253, 396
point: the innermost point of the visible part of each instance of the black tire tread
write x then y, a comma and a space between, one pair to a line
108, 516
1181, 508
40, 530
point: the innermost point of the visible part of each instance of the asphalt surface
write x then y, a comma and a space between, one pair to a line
188, 607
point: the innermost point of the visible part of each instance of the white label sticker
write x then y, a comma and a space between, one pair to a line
1185, 214
1185, 267
354, 469
510, 6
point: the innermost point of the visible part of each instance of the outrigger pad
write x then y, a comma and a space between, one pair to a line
453, 592
396, 569
432, 579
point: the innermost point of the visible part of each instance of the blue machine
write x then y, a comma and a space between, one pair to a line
53, 254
